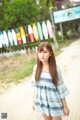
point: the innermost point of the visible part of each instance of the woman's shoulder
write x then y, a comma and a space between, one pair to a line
58, 68
34, 68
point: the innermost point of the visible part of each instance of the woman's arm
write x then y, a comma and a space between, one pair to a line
65, 108
33, 106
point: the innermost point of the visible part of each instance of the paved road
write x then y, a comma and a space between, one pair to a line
17, 101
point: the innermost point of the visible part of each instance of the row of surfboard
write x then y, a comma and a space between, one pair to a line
23, 35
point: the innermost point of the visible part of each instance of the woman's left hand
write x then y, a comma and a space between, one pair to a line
66, 111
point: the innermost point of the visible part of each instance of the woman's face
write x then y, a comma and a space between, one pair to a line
44, 55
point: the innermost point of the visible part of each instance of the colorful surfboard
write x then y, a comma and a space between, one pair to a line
30, 31
3, 41
49, 27
5, 36
18, 35
40, 31
26, 33
0, 39
45, 31
14, 37
35, 31
23, 36
10, 38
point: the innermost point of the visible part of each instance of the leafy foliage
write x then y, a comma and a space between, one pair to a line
17, 13
47, 2
3, 6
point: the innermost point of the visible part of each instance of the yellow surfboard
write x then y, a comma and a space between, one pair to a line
35, 31
23, 36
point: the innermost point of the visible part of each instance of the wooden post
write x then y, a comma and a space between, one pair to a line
53, 27
61, 30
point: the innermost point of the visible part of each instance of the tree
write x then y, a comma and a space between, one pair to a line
19, 12
3, 6
46, 2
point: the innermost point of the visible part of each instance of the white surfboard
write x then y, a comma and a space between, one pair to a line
49, 27
5, 38
45, 31
2, 39
10, 37
14, 37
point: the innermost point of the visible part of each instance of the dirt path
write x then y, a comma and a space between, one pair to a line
17, 101
69, 61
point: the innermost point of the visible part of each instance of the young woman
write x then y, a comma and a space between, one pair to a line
49, 88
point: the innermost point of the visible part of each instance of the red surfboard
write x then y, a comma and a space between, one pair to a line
30, 31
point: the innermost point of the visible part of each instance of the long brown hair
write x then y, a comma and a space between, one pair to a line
51, 61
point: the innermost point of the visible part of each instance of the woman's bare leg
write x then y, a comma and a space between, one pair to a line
57, 118
47, 117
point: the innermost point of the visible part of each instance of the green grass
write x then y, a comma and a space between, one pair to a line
24, 70
15, 69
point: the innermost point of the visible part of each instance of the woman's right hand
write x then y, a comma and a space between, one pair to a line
33, 107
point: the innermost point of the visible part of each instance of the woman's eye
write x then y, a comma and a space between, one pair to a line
45, 52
